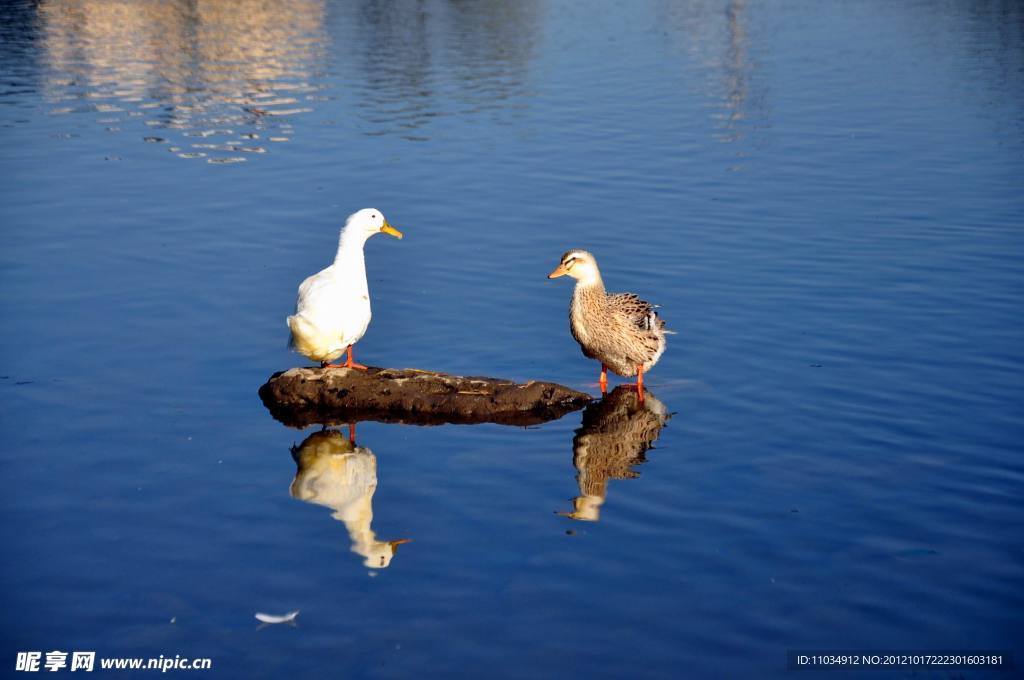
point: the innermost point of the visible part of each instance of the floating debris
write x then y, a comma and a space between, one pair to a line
280, 139
192, 154
274, 618
154, 140
232, 159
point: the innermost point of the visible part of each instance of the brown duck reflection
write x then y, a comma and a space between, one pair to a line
615, 434
336, 473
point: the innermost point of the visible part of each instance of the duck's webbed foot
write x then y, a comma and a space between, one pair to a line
349, 363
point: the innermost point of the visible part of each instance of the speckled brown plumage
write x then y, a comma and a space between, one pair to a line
620, 330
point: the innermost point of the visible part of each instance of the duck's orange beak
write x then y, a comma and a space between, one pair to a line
560, 270
388, 229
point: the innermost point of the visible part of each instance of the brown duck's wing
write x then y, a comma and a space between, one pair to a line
639, 313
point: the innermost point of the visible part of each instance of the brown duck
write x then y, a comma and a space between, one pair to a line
620, 330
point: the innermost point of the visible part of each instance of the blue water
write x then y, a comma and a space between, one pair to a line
826, 199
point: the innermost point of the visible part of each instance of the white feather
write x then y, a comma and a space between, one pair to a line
274, 618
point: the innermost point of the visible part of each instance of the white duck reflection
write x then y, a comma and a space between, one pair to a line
336, 473
615, 433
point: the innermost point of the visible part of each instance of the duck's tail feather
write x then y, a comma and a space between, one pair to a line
297, 324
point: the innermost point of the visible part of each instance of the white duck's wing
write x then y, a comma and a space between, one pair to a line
320, 293
332, 289
332, 311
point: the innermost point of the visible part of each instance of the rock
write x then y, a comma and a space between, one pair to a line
303, 396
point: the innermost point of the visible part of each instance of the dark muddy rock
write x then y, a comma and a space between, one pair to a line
331, 396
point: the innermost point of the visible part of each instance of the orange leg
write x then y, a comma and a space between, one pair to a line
348, 362
352, 432
604, 379
351, 364
640, 382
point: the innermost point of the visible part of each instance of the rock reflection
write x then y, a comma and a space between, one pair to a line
231, 70
615, 434
336, 473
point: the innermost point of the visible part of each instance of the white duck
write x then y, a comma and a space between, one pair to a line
333, 309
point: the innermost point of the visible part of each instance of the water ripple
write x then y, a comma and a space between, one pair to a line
189, 68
